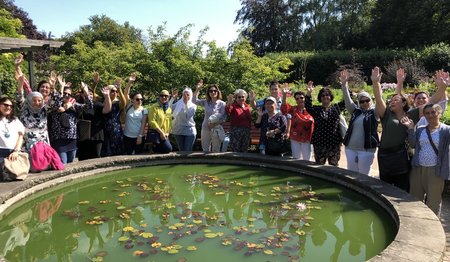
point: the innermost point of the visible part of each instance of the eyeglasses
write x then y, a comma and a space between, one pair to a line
239, 97
67, 94
364, 101
163, 96
139, 99
213, 91
112, 91
432, 112
7, 105
299, 97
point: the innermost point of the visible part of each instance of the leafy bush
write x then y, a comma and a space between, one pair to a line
436, 57
415, 72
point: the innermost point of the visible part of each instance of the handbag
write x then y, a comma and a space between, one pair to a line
276, 146
394, 163
19, 168
84, 129
153, 136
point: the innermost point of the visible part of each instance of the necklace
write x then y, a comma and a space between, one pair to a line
5, 130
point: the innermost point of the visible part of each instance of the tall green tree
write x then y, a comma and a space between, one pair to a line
412, 23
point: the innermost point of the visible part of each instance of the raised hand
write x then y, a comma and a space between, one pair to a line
285, 88
230, 98
344, 76
251, 95
132, 77
61, 81
401, 75
96, 77
105, 91
310, 87
174, 92
376, 74
18, 61
199, 84
118, 82
52, 78
260, 111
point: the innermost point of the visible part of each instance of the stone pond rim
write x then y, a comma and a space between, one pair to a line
420, 235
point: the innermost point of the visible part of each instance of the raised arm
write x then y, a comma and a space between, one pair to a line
380, 104
107, 104
122, 100
252, 99
285, 89
442, 80
131, 80
401, 76
198, 87
343, 78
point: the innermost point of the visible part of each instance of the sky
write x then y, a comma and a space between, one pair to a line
61, 16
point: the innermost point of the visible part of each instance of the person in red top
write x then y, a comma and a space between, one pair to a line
240, 120
300, 125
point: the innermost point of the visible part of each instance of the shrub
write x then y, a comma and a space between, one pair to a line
436, 57
415, 72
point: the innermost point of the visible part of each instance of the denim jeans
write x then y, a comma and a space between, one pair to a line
185, 143
67, 157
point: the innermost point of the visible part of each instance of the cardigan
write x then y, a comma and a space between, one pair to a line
442, 166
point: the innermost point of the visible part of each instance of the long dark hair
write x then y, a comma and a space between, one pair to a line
11, 116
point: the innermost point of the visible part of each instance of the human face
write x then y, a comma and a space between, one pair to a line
213, 92
420, 99
270, 106
364, 103
397, 103
37, 102
186, 96
431, 114
240, 99
6, 107
163, 98
44, 89
274, 90
113, 93
300, 99
326, 98
137, 100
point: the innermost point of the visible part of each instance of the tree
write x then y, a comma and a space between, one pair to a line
28, 28
413, 23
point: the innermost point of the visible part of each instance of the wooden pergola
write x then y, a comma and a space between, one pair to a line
28, 46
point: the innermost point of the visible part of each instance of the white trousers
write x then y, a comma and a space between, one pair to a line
209, 144
300, 150
359, 161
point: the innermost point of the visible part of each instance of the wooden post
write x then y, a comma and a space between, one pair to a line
31, 69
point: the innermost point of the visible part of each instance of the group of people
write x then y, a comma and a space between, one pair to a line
118, 123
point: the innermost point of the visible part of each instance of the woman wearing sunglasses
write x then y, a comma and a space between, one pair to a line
361, 139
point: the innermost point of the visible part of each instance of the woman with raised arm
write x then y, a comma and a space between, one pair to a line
361, 139
327, 137
300, 124
240, 120
430, 163
393, 158
63, 123
11, 133
183, 125
214, 116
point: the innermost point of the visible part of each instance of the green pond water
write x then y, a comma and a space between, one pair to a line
196, 213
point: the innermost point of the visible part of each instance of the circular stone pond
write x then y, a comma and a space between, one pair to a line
192, 207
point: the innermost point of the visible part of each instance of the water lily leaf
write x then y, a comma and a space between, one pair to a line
177, 247
210, 235
179, 225
268, 252
251, 219
128, 229
123, 238
101, 254
261, 194
97, 259
138, 253
207, 231
219, 193
226, 242
256, 201
309, 218
144, 225
146, 235
156, 244
191, 248
85, 202
317, 207
172, 251
121, 207
240, 193
300, 232
307, 225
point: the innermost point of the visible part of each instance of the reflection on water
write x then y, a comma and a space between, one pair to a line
188, 213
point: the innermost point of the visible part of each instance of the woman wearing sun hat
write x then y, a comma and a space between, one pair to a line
361, 139
160, 123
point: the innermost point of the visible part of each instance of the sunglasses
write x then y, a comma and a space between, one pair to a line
113, 91
239, 97
213, 91
139, 99
299, 97
67, 94
163, 96
364, 101
7, 105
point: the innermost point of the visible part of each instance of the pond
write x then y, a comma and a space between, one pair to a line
192, 212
